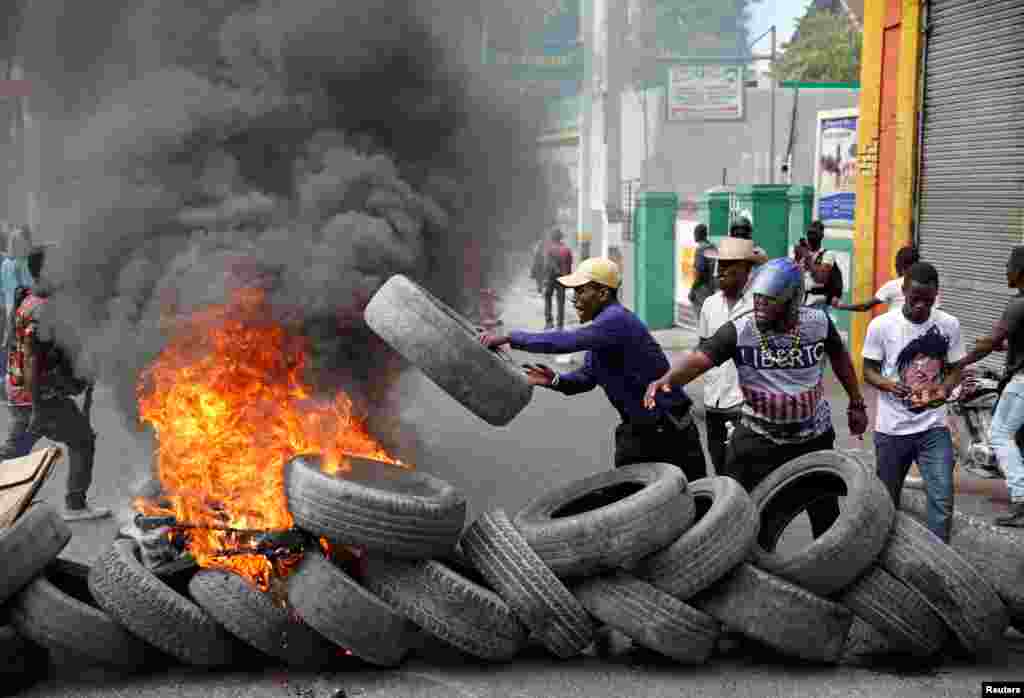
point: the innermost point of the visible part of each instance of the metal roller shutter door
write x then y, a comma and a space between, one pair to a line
972, 157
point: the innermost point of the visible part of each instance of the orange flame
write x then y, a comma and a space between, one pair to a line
229, 404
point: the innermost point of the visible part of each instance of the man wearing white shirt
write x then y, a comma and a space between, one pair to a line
911, 357
722, 395
891, 292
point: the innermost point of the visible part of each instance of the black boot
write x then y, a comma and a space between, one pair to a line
1015, 518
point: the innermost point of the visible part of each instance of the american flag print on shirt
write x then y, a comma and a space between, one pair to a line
783, 384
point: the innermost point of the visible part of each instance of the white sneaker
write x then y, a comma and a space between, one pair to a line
86, 513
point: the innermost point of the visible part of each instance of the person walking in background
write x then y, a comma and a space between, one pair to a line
823, 281
911, 357
891, 292
14, 274
40, 386
779, 351
557, 262
743, 229
537, 265
723, 398
622, 357
703, 270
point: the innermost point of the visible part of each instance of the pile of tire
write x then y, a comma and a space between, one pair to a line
675, 566
675, 572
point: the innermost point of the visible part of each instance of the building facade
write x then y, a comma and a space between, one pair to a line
942, 156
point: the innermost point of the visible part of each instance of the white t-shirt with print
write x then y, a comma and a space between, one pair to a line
721, 384
913, 355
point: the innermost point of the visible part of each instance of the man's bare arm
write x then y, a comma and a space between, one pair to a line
873, 377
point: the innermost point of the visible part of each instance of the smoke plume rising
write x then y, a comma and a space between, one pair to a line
310, 146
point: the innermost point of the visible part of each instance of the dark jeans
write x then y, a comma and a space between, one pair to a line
554, 288
661, 443
751, 457
62, 421
932, 450
715, 421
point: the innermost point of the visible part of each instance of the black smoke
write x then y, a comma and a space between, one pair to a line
328, 145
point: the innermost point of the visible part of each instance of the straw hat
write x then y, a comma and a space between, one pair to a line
738, 250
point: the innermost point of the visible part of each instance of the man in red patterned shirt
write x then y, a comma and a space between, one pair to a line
40, 384
558, 262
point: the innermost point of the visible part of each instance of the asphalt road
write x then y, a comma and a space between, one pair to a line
554, 440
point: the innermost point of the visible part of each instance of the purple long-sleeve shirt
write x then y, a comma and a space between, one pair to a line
622, 357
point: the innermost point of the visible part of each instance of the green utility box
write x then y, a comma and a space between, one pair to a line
768, 205
713, 211
654, 274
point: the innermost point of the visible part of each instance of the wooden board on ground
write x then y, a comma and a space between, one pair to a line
20, 481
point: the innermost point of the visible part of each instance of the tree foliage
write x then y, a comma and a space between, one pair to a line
825, 48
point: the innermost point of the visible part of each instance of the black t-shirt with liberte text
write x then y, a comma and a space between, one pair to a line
780, 376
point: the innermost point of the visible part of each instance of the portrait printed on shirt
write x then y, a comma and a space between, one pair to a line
921, 366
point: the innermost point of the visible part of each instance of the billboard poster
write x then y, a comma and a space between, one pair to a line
705, 92
835, 167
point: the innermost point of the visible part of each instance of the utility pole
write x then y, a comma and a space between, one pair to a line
585, 224
618, 17
773, 57
771, 141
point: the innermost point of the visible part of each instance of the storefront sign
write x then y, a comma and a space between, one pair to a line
835, 168
705, 92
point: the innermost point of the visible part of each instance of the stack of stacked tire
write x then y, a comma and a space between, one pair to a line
672, 567
412, 581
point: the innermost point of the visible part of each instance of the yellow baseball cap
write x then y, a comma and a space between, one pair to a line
600, 270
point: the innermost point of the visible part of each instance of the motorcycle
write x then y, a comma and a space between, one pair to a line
973, 403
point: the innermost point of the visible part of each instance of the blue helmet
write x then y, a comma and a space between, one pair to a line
782, 279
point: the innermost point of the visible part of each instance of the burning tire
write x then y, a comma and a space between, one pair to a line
778, 613
252, 616
898, 612
651, 617
608, 520
954, 588
57, 611
840, 555
448, 606
375, 505
996, 552
341, 610
504, 558
725, 529
153, 611
444, 345
26, 548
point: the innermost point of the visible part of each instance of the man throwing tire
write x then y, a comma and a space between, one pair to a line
622, 357
779, 352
